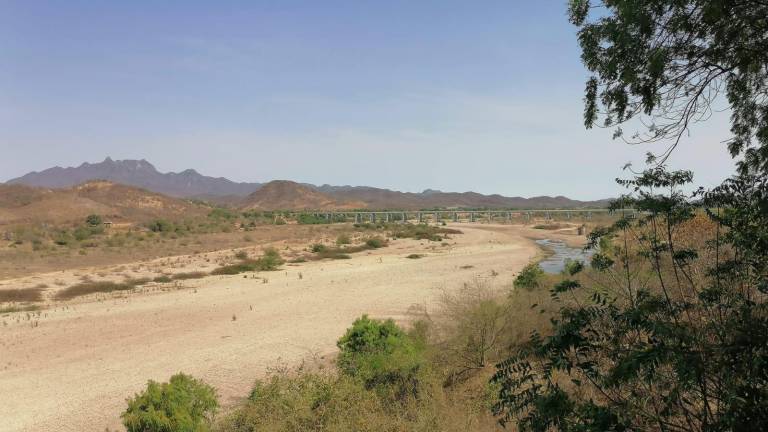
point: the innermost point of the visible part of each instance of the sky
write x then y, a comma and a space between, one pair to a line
401, 94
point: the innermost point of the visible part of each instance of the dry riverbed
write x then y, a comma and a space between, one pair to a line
72, 367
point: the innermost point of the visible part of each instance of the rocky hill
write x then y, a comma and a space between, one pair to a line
288, 195
115, 202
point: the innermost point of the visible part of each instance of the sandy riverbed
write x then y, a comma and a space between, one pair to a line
74, 369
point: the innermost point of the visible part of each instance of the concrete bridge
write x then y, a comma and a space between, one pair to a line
437, 216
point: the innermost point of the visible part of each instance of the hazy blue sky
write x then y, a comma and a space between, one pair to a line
408, 95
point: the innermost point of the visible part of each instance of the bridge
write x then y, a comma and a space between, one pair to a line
437, 216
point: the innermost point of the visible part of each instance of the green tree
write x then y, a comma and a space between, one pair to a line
93, 220
184, 404
668, 60
668, 333
668, 329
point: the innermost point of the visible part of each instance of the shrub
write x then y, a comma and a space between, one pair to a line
189, 275
184, 404
241, 255
382, 356
319, 247
161, 225
343, 239
529, 277
81, 233
93, 220
415, 256
271, 260
22, 294
162, 279
86, 288
375, 242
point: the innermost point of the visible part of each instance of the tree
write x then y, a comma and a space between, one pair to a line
93, 220
667, 332
184, 404
668, 329
666, 61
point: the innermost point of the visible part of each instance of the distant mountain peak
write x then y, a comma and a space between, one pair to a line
140, 173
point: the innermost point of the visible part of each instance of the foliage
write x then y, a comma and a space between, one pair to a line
375, 242
670, 60
222, 213
670, 332
93, 220
269, 261
382, 355
420, 231
184, 404
529, 277
319, 247
343, 239
161, 225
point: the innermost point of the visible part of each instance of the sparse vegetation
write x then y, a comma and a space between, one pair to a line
421, 231
91, 287
189, 275
18, 295
269, 261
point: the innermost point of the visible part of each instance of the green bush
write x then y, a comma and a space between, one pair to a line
319, 247
375, 242
161, 225
270, 261
529, 277
81, 233
184, 404
382, 356
222, 213
343, 239
312, 402
93, 220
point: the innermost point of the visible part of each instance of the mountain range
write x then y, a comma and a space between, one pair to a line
280, 194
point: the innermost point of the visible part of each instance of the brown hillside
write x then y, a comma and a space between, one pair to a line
120, 203
288, 195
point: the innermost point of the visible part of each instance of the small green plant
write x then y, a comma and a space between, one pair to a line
184, 404
415, 256
343, 239
319, 247
162, 279
241, 255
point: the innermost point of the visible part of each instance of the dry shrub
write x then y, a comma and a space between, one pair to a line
34, 294
87, 288
189, 275
300, 400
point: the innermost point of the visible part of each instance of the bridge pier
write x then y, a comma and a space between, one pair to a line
419, 217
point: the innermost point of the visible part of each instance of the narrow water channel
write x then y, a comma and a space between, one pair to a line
561, 253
